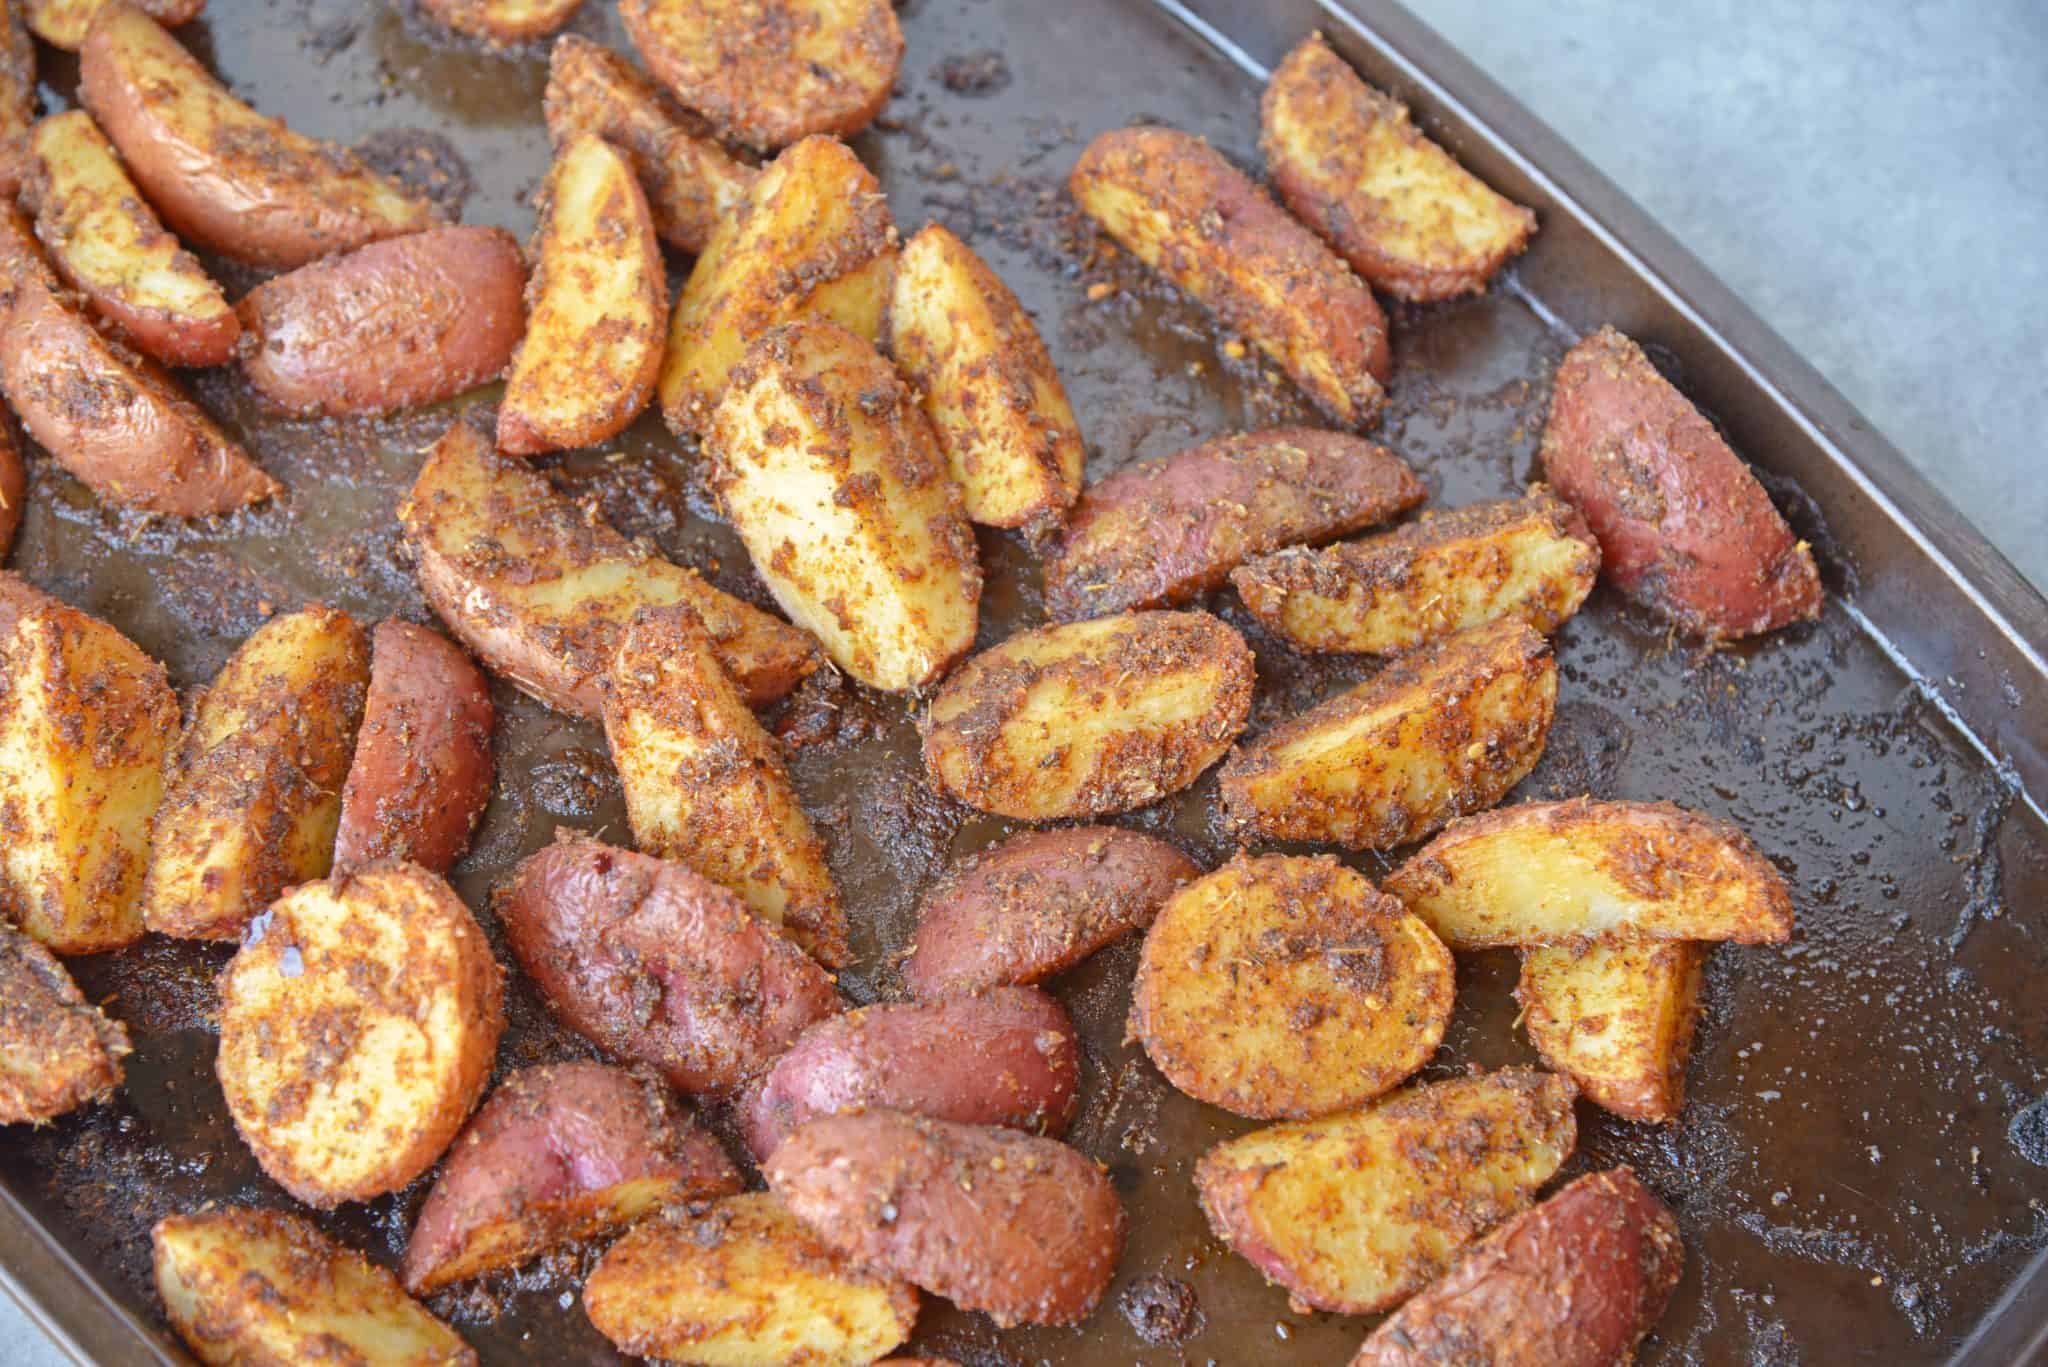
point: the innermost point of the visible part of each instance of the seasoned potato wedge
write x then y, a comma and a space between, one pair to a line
1167, 531
1616, 1019
599, 308
57, 1050
1547, 873
504, 21
107, 243
423, 770
742, 1283
252, 796
768, 72
706, 787
223, 176
1038, 903
541, 589
1399, 208
559, 1152
357, 1027
1530, 559
1356, 1212
830, 472
245, 1287
1090, 718
17, 97
1576, 1282
1684, 527
64, 23
1024, 1228
966, 345
654, 963
1437, 734
85, 722
1177, 205
1286, 986
812, 239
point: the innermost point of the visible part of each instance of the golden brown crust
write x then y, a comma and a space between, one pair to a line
57, 1051
65, 23
17, 97
504, 21
1617, 1019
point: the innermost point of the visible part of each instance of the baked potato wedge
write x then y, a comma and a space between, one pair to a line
706, 787
1348, 162
654, 963
1177, 205
223, 176
1288, 987
1021, 1227
57, 1050
1683, 525
252, 794
830, 472
597, 307
1552, 873
541, 589
559, 1152
742, 1283
1089, 718
65, 23
812, 239
1616, 1019
503, 21
1531, 559
996, 405
106, 242
17, 97
1356, 1212
1576, 1282
1039, 903
1438, 733
769, 72
245, 1286
1167, 531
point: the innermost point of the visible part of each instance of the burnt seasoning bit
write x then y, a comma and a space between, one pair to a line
1162, 1310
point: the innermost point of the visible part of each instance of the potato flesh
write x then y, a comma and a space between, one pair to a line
57, 1050
504, 21
1617, 1019
64, 23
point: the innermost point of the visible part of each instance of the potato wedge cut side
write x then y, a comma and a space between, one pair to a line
17, 98
1616, 1019
57, 1050
504, 21
65, 23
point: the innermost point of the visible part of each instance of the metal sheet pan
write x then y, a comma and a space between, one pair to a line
1853, 1174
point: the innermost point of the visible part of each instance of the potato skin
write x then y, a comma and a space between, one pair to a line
1616, 1019
13, 478
1006, 1057
1024, 1228
504, 21
1167, 531
1684, 527
57, 1050
1039, 903
1576, 1282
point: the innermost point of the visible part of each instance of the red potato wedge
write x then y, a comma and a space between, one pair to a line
1683, 525
1006, 1057
504, 21
1037, 904
1348, 162
1438, 733
224, 177
17, 97
1167, 531
1576, 1282
1531, 559
1090, 718
106, 242
541, 589
1616, 1019
357, 1027
1357, 1212
1023, 1228
655, 964
1176, 204
560, 1152
13, 478
57, 1050
769, 72
423, 770
1286, 987
1552, 873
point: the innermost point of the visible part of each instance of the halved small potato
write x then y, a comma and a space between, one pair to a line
1548, 873
1436, 734
64, 23
1617, 1019
57, 1050
504, 21
17, 97
1286, 986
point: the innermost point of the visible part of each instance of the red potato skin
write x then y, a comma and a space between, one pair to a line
1576, 1282
397, 324
13, 484
1007, 1057
1684, 527
423, 770
1037, 904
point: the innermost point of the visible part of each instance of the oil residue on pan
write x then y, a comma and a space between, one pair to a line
1856, 1172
